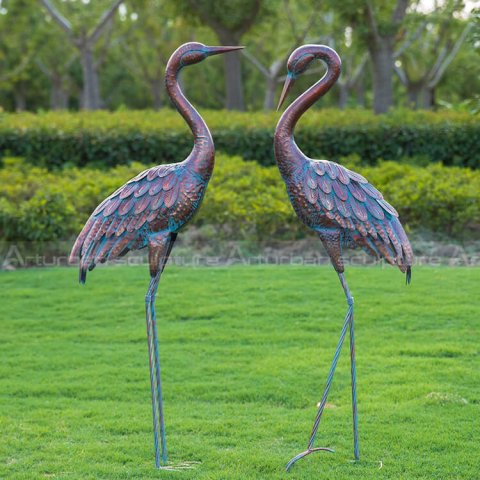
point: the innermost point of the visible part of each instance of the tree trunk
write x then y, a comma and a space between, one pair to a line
360, 91
233, 74
91, 88
20, 97
413, 90
381, 53
343, 96
269, 101
420, 95
428, 98
156, 89
58, 93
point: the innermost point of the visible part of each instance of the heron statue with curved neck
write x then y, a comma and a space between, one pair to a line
149, 210
343, 209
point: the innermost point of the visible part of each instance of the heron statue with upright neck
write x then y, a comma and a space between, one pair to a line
340, 205
149, 210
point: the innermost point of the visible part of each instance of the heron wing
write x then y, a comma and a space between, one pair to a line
121, 222
359, 210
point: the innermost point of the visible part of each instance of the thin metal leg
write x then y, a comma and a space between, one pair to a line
348, 322
353, 369
356, 451
316, 423
151, 361
154, 356
158, 374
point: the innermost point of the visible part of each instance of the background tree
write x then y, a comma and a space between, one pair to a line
272, 46
85, 41
425, 58
17, 49
382, 33
152, 32
230, 21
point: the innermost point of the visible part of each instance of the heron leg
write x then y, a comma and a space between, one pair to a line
151, 360
353, 369
159, 251
348, 322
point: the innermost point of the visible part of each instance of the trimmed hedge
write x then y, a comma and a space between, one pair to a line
244, 200
108, 139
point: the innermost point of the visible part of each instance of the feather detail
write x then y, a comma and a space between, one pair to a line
126, 206
349, 224
331, 170
371, 229
171, 197
381, 231
152, 173
372, 191
130, 227
325, 184
326, 199
120, 246
121, 226
112, 206
164, 170
342, 207
169, 182
140, 176
141, 220
374, 208
312, 195
157, 201
361, 229
102, 205
152, 216
340, 220
142, 190
155, 187
386, 206
386, 252
357, 192
340, 190
358, 209
142, 204
127, 190
311, 182
357, 177
343, 175
318, 166
113, 226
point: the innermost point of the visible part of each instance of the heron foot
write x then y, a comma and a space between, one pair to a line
304, 454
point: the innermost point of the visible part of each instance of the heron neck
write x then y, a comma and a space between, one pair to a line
287, 153
203, 153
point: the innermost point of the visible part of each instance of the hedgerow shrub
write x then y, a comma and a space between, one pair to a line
244, 200
108, 139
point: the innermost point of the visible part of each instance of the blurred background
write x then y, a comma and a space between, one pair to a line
91, 54
83, 108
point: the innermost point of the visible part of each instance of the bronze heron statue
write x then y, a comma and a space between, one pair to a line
149, 210
343, 209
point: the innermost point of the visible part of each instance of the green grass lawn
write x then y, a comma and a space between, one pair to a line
245, 353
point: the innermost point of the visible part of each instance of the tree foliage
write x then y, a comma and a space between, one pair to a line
394, 53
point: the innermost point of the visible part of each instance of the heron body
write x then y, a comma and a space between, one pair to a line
340, 205
149, 210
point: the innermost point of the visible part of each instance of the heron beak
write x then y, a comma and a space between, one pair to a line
286, 88
222, 49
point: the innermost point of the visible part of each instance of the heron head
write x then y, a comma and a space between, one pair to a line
299, 62
194, 52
